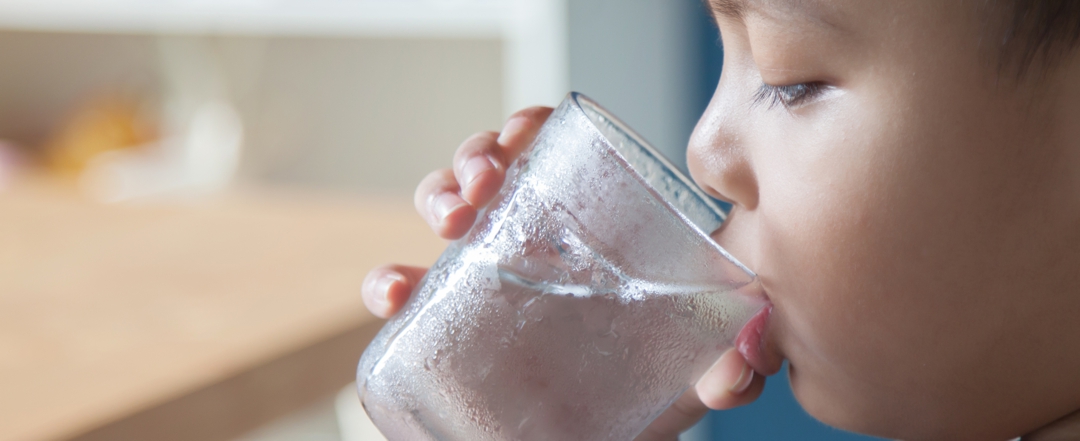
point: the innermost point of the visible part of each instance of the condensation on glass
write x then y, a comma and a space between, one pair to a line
586, 299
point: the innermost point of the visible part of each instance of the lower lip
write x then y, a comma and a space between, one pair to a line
750, 342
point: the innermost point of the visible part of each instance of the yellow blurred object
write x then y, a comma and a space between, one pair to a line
110, 123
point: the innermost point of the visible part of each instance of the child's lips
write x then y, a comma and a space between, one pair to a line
752, 345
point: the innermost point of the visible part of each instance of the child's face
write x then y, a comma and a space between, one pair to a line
900, 211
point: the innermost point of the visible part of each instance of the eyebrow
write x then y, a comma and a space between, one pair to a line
728, 8
737, 9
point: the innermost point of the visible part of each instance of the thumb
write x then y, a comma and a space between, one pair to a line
682, 415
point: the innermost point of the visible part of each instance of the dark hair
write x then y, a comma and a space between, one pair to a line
1037, 33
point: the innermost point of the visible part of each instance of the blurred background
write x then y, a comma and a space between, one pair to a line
239, 124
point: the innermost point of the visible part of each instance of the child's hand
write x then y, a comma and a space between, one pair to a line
448, 200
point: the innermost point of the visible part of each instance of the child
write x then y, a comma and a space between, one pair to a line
906, 183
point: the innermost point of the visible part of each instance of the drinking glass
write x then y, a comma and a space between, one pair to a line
584, 301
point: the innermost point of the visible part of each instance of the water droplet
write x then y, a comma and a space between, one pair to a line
607, 343
431, 363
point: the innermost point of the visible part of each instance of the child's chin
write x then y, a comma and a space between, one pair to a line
853, 414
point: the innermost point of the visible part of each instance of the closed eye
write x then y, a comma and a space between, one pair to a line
788, 96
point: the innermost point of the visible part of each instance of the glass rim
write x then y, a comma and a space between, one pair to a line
580, 100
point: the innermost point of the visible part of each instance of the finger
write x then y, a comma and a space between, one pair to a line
730, 382
682, 415
520, 130
478, 166
439, 203
386, 288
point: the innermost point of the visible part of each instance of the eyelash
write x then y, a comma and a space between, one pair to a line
787, 96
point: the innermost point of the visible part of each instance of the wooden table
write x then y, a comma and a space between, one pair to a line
184, 321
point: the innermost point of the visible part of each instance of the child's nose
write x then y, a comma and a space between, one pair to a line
719, 161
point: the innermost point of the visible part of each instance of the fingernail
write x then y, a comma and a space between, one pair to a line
743, 382
383, 285
475, 167
512, 129
444, 204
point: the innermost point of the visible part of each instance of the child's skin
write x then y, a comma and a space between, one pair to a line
914, 218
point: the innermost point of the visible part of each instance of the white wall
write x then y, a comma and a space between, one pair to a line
368, 114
